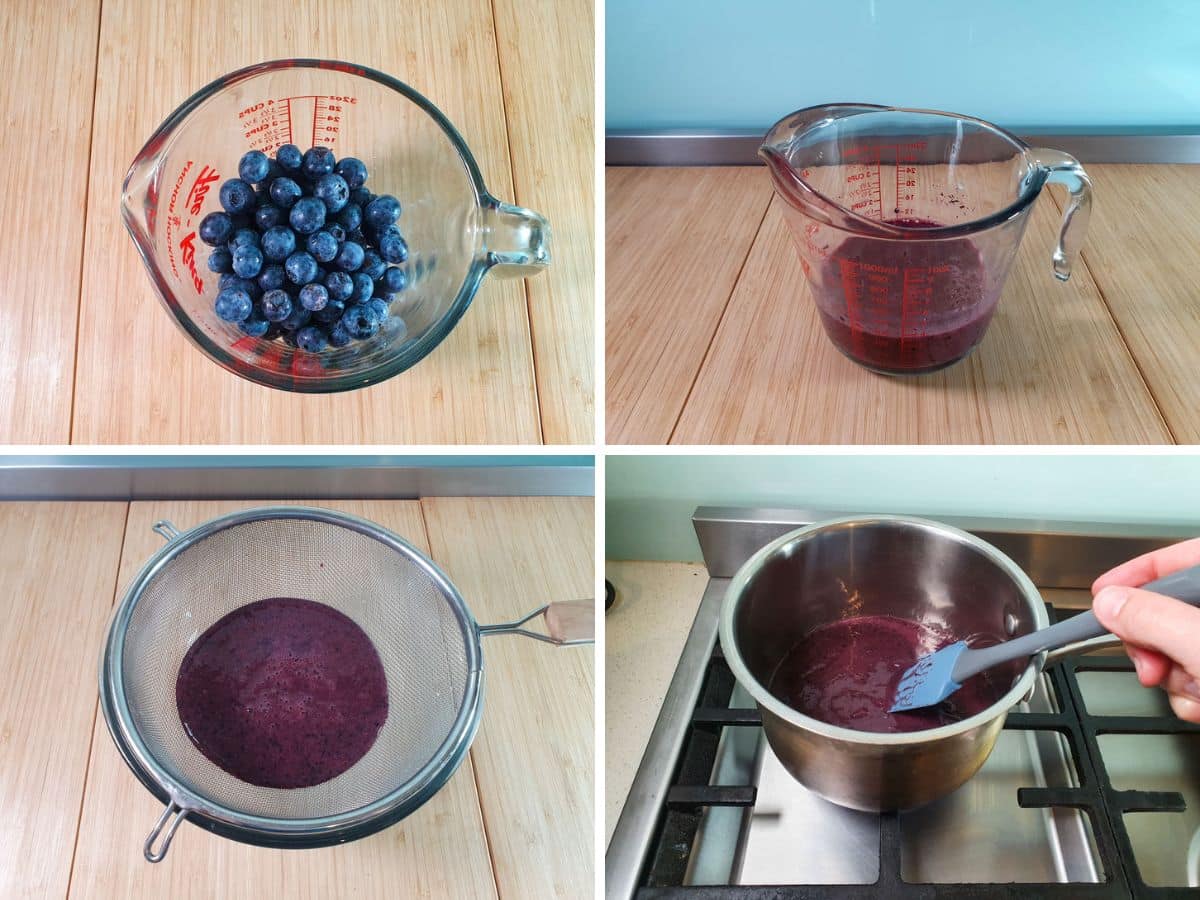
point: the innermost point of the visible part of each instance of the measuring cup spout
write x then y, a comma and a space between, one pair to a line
785, 150
139, 200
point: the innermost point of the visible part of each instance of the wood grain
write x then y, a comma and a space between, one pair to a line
1052, 368
439, 851
553, 158
533, 754
140, 381
47, 79
60, 565
1143, 249
676, 240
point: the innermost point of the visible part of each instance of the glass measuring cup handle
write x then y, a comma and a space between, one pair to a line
1061, 168
517, 240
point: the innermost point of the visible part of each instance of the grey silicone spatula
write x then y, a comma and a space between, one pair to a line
938, 675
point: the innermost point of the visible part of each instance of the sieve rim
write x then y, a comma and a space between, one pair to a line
269, 830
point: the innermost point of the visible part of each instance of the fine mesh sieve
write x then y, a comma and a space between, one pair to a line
427, 639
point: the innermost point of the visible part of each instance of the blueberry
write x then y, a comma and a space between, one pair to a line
339, 336
288, 337
233, 305
352, 170
278, 243
322, 274
360, 321
312, 339
322, 245
215, 228
301, 267
382, 212
236, 282
307, 215
289, 157
332, 191
228, 280
378, 307
314, 297
338, 232
350, 217
285, 192
244, 237
268, 216
254, 167
272, 278
330, 312
297, 319
237, 196
392, 246
220, 260
357, 236
373, 265
363, 287
395, 280
317, 162
276, 306
349, 257
340, 285
360, 196
247, 261
254, 325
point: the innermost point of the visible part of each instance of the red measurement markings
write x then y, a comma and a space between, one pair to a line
879, 180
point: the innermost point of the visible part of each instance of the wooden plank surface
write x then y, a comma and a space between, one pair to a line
60, 565
676, 240
47, 129
439, 851
1052, 368
1143, 247
553, 158
140, 381
534, 752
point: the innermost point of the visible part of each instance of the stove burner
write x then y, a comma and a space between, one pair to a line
667, 862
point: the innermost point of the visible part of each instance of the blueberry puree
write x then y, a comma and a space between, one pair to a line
845, 673
283, 693
905, 306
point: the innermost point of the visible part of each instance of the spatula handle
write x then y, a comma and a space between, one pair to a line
1182, 585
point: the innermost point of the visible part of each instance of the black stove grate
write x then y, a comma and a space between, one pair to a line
690, 794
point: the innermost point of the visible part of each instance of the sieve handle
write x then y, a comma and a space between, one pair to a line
568, 623
176, 814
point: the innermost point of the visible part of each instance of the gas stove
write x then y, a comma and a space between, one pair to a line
1093, 789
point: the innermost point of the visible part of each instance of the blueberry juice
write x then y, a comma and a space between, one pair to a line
283, 693
906, 306
845, 673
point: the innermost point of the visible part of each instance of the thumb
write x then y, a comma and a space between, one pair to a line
1152, 620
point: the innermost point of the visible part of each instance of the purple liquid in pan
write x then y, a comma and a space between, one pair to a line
283, 693
845, 673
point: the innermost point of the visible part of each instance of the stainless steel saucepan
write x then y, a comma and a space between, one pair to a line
880, 565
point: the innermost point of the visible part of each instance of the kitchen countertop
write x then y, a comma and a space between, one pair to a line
88, 352
644, 634
712, 337
514, 821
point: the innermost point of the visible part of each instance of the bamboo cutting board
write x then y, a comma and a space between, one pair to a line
1054, 366
439, 851
553, 157
60, 568
1143, 248
139, 381
676, 242
533, 755
47, 126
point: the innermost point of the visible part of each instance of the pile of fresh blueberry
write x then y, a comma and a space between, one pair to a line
303, 249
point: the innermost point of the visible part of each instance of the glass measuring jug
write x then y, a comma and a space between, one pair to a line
455, 229
907, 221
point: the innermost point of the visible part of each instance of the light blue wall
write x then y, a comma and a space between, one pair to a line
649, 500
713, 64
